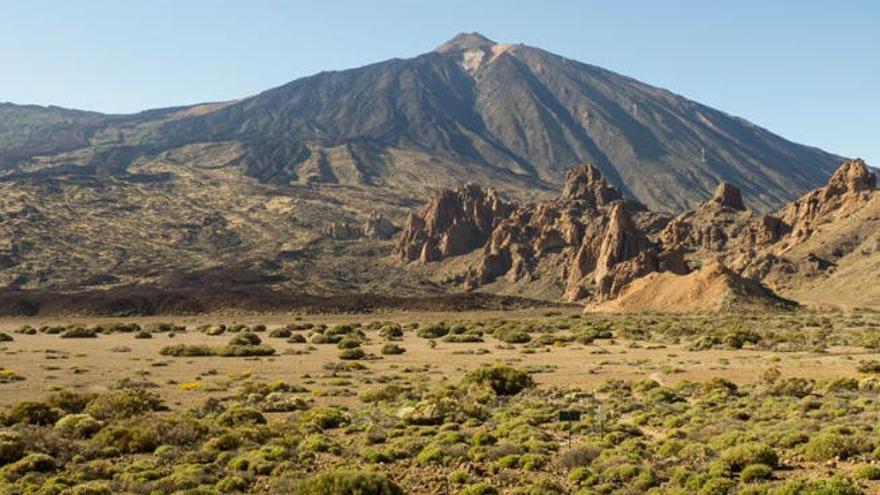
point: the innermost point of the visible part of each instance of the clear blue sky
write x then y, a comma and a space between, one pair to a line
807, 70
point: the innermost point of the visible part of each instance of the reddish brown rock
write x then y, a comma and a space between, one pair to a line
848, 189
728, 196
454, 222
586, 183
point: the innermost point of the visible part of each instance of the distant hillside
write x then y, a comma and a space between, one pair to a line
471, 110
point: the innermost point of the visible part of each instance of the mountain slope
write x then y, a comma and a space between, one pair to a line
470, 110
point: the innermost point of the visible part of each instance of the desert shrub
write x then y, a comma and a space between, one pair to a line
842, 385
347, 483
11, 447
793, 439
9, 376
244, 350
832, 486
280, 333
245, 338
792, 387
79, 333
867, 472
717, 486
511, 336
755, 472
434, 331
352, 354
479, 489
130, 438
392, 349
872, 366
90, 488
320, 338
143, 334
501, 379
740, 456
296, 339
390, 332
238, 416
184, 350
31, 463
827, 446
125, 403
78, 426
325, 418
463, 339
5, 337
581, 455
348, 343
231, 484
33, 413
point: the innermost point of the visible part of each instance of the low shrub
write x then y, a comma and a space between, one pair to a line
501, 379
347, 483
125, 403
434, 331
79, 333
392, 349
828, 446
740, 456
352, 354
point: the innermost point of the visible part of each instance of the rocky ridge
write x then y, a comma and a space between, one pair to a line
595, 244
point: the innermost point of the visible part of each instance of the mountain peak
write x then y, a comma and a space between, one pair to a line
465, 41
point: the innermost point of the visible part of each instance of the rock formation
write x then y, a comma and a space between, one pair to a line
374, 227
453, 223
847, 190
587, 237
594, 245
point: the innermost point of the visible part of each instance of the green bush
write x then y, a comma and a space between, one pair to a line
280, 333
479, 489
867, 472
347, 483
33, 413
132, 438
434, 331
245, 338
11, 447
324, 417
827, 446
244, 351
392, 349
352, 354
501, 379
740, 456
125, 403
78, 426
183, 350
755, 472
90, 488
238, 416
5, 337
143, 334
511, 336
79, 333
348, 343
833, 486
31, 463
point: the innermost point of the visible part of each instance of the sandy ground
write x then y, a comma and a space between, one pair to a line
48, 361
